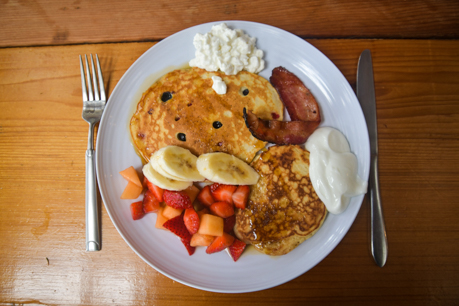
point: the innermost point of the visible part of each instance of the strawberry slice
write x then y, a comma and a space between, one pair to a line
222, 209
177, 226
191, 220
240, 196
220, 243
177, 199
137, 210
150, 202
223, 193
228, 223
157, 191
205, 196
236, 249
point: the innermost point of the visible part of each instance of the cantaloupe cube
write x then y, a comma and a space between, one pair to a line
170, 212
160, 219
132, 191
192, 192
201, 240
203, 212
131, 175
211, 225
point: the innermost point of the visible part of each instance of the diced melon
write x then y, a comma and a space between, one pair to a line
160, 219
192, 192
170, 212
132, 191
131, 175
211, 225
201, 240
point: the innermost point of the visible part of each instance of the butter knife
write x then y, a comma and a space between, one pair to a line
366, 96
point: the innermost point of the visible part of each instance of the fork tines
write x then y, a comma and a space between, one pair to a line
98, 94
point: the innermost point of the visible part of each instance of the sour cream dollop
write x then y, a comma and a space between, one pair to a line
227, 50
333, 169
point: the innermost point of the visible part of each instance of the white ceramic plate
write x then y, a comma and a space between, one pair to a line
161, 249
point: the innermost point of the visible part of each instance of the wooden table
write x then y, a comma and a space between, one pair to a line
43, 141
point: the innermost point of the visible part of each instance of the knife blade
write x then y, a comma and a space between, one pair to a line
366, 95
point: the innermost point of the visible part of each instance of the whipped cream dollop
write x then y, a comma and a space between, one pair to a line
227, 50
333, 169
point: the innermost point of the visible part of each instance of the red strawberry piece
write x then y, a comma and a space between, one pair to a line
214, 186
137, 210
224, 193
191, 220
205, 196
177, 199
150, 202
220, 243
236, 249
228, 223
240, 196
222, 209
145, 182
177, 226
188, 246
157, 191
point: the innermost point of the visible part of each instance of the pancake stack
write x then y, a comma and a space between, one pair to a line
283, 209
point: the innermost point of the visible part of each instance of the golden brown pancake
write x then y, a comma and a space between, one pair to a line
283, 209
182, 109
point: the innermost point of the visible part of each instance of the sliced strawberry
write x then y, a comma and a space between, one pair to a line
224, 193
177, 199
228, 223
205, 196
150, 202
188, 246
220, 243
191, 220
137, 210
222, 209
214, 186
240, 196
177, 226
157, 191
236, 249
145, 182
201, 240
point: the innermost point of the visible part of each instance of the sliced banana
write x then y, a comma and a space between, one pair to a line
227, 169
177, 163
163, 182
154, 163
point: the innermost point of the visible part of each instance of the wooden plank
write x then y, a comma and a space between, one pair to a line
42, 145
45, 22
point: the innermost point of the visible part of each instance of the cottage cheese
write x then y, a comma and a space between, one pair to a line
218, 85
227, 50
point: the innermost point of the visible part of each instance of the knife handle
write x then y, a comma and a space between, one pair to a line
378, 228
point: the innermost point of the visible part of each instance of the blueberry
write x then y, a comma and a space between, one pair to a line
217, 124
181, 137
166, 96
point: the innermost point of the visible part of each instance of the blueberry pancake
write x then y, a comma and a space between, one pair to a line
182, 109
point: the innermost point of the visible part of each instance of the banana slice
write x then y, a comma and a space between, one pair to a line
227, 169
177, 163
163, 182
154, 163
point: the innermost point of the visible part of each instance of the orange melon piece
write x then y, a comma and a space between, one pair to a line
160, 219
211, 225
132, 191
131, 175
203, 212
170, 212
192, 192
201, 240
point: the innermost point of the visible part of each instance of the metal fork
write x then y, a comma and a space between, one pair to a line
93, 107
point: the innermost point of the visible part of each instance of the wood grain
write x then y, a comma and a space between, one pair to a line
42, 145
46, 22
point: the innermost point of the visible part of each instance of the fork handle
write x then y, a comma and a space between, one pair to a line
92, 211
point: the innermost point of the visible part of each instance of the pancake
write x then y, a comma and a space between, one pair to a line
182, 109
283, 209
